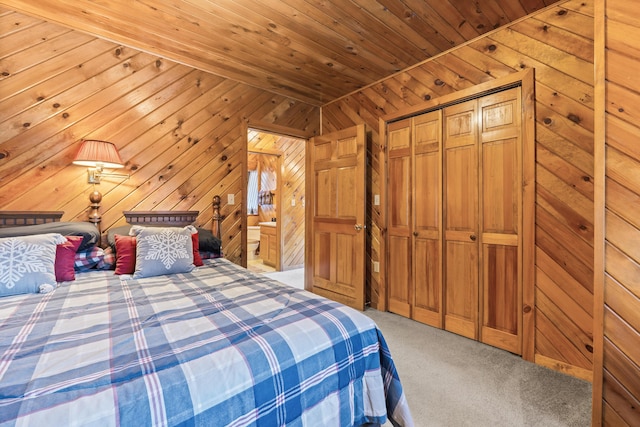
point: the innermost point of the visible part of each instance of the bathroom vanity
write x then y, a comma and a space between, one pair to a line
268, 243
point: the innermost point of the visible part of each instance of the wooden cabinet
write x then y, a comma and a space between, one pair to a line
454, 218
268, 245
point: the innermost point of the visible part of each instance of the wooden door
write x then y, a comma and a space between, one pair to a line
427, 218
399, 210
460, 176
501, 216
336, 231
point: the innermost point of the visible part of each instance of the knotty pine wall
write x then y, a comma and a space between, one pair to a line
558, 43
617, 382
178, 129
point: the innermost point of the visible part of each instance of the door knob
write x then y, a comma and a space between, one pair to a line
359, 227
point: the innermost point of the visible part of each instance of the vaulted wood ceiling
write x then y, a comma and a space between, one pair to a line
310, 50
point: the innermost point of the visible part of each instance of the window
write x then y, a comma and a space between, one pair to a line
252, 193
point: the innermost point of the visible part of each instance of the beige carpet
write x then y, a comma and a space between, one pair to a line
451, 381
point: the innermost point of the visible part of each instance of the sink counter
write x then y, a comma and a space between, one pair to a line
267, 224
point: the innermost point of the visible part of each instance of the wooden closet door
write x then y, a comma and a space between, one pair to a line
461, 219
427, 218
501, 184
399, 214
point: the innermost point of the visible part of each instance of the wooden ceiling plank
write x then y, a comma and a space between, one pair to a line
512, 9
450, 32
473, 14
433, 31
12, 23
358, 29
313, 51
393, 29
279, 17
446, 12
125, 30
238, 37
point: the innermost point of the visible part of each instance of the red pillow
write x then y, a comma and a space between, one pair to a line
125, 254
65, 258
197, 259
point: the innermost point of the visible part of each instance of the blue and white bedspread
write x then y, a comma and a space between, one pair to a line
219, 346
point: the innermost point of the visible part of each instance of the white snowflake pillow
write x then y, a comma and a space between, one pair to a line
27, 262
163, 250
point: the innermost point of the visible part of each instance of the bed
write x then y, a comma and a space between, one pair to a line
216, 345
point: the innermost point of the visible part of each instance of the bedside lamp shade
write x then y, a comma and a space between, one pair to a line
94, 153
97, 155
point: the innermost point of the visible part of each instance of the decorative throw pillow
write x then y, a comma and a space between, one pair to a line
197, 259
207, 241
125, 254
122, 230
88, 259
163, 250
26, 262
65, 256
108, 261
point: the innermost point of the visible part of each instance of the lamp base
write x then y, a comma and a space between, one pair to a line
94, 208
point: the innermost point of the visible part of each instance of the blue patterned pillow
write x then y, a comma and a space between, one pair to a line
27, 262
163, 250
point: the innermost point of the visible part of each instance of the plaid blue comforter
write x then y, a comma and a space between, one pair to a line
219, 346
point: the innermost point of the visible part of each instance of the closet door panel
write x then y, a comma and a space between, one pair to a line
399, 275
500, 324
461, 219
500, 187
461, 288
399, 214
427, 218
501, 183
427, 304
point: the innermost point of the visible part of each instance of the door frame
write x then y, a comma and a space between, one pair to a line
526, 80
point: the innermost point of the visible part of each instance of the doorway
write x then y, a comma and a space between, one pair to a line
278, 192
263, 210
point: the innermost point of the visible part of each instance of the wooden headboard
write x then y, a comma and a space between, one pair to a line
19, 218
174, 218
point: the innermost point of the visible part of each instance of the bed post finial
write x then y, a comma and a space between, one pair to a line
217, 218
94, 213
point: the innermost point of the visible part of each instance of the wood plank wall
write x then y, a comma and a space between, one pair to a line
291, 188
617, 383
558, 44
178, 129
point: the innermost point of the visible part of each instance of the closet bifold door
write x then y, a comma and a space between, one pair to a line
427, 218
399, 214
461, 243
500, 219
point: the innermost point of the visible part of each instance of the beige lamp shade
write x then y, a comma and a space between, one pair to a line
94, 153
